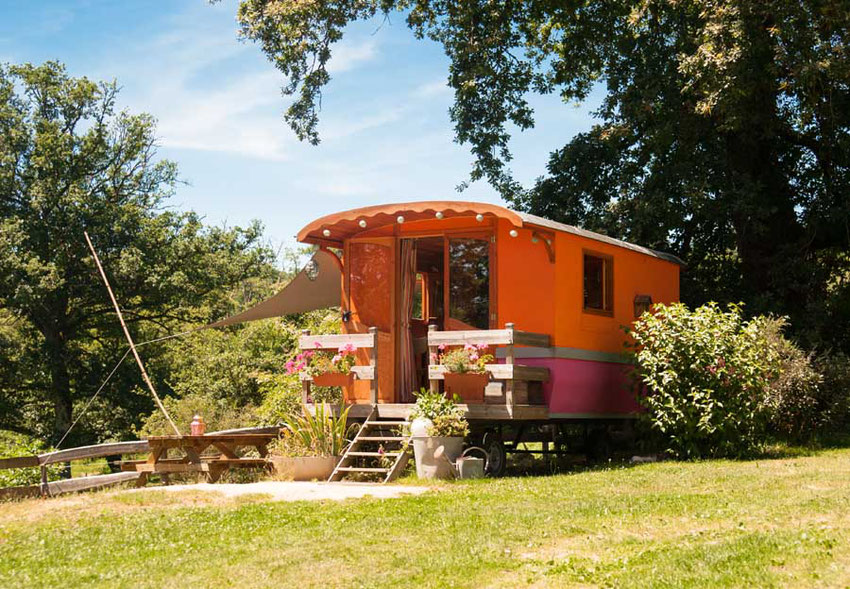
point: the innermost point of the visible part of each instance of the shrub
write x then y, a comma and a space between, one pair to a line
218, 414
794, 397
282, 396
834, 392
447, 419
12, 445
705, 373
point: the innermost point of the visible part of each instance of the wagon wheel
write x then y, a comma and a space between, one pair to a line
498, 458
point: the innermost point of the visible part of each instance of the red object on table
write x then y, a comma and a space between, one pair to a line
198, 427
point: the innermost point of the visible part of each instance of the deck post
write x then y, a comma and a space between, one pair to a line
373, 362
305, 384
433, 384
509, 359
45, 489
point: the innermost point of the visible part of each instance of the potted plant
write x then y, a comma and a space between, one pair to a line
310, 445
466, 374
326, 368
445, 425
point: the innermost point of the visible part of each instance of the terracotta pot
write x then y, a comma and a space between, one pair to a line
303, 468
334, 379
469, 386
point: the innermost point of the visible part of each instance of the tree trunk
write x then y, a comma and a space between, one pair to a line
768, 233
60, 388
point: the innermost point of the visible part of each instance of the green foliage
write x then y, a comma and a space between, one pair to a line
12, 445
308, 434
795, 400
281, 397
447, 419
218, 414
70, 162
706, 374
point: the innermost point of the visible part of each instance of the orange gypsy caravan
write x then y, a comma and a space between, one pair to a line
549, 301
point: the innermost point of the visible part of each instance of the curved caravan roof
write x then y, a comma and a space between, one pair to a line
333, 229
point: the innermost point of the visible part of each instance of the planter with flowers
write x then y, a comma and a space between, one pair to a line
436, 421
326, 368
465, 373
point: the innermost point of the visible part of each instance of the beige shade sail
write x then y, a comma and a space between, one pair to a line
317, 286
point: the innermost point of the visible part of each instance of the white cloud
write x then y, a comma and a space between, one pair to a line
347, 56
171, 75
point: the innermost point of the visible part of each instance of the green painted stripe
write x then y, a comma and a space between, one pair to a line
567, 353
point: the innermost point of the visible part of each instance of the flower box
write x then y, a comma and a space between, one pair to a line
469, 386
334, 379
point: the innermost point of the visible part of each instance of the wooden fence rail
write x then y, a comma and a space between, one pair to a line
50, 488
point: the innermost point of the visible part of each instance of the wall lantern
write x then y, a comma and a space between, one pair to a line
326, 232
479, 217
439, 214
513, 233
362, 223
642, 304
400, 219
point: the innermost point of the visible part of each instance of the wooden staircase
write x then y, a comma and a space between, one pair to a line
379, 449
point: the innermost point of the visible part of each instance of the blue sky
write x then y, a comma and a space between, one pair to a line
386, 133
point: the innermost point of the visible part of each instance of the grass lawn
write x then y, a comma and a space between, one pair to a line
779, 522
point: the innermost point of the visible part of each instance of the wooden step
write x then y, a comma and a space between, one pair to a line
361, 469
374, 454
389, 423
380, 439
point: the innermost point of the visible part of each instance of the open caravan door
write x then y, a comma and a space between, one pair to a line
317, 286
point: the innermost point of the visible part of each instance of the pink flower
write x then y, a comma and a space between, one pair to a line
433, 358
336, 358
473, 356
318, 345
290, 367
468, 347
348, 349
481, 347
441, 347
308, 354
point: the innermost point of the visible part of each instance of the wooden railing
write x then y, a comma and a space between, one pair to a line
49, 488
516, 377
365, 341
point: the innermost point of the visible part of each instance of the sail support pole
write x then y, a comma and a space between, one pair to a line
129, 338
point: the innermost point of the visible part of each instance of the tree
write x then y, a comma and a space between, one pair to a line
723, 136
68, 163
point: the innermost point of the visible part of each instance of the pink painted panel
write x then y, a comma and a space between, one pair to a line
586, 386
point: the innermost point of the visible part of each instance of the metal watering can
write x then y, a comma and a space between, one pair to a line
466, 467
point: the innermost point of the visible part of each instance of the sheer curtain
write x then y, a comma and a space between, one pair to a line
407, 378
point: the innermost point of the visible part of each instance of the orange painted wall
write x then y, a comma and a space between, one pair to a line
525, 282
543, 297
634, 274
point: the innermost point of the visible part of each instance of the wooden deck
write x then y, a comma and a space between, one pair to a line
474, 412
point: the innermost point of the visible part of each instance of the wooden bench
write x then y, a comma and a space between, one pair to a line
515, 378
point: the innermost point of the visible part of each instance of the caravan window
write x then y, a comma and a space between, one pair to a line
598, 283
469, 282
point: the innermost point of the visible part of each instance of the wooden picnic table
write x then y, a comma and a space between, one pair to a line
211, 454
